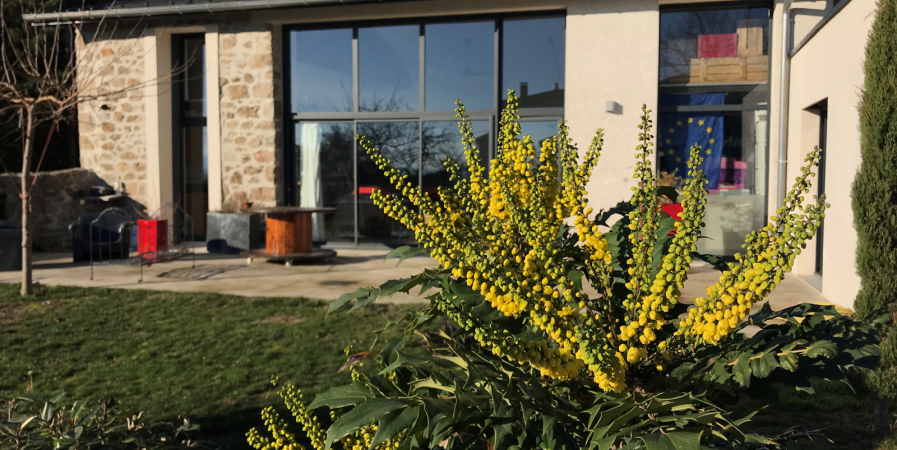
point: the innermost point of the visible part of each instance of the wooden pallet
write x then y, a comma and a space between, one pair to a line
749, 66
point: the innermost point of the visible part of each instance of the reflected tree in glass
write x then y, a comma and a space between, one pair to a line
325, 171
441, 140
389, 68
400, 143
460, 59
321, 70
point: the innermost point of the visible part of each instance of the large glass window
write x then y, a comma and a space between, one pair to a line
533, 61
388, 69
397, 84
459, 65
321, 76
325, 169
714, 92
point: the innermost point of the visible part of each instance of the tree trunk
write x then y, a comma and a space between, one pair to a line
27, 149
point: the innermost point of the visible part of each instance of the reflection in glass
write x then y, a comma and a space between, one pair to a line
460, 65
714, 46
326, 177
321, 70
533, 61
389, 68
196, 177
194, 79
735, 154
441, 140
400, 143
539, 131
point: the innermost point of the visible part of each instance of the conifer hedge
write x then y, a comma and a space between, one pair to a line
875, 189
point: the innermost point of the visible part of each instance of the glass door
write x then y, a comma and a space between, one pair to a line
191, 169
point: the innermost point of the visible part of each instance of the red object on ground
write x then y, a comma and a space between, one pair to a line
675, 211
152, 236
718, 45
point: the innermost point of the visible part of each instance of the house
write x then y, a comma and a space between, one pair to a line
273, 91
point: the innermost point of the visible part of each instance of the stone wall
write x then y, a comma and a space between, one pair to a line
250, 111
112, 129
59, 199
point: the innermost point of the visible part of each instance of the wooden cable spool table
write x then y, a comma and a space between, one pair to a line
289, 234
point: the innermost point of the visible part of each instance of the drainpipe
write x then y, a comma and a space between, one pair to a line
783, 105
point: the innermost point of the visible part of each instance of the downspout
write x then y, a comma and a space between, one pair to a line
785, 82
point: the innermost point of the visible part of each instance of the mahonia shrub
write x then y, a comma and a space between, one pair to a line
527, 358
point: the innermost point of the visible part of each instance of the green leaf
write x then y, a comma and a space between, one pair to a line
340, 396
343, 300
823, 348
765, 364
741, 373
432, 384
714, 261
682, 370
402, 359
393, 423
361, 416
672, 441
575, 276
404, 252
788, 361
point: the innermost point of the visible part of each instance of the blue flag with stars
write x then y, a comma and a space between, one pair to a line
678, 132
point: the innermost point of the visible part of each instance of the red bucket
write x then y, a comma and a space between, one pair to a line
152, 236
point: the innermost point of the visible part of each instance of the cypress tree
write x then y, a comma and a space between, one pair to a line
874, 196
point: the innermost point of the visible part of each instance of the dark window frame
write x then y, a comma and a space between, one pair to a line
694, 88
492, 115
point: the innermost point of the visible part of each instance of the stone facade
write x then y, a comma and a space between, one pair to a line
250, 109
112, 130
59, 198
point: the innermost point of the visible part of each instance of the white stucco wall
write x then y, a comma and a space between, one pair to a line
612, 49
830, 66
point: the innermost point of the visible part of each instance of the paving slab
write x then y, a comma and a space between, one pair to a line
348, 271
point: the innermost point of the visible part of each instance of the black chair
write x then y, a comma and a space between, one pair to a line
105, 235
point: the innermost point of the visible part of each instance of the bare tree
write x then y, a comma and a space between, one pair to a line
43, 78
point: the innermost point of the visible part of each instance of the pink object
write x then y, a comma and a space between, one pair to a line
738, 169
367, 190
717, 45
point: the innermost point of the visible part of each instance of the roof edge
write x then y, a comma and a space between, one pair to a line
167, 10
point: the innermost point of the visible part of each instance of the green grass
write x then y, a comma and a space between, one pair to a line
208, 357
842, 415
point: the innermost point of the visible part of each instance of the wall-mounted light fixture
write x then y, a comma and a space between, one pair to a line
104, 113
613, 107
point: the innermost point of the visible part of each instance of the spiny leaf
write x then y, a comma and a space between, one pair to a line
361, 416
823, 348
765, 364
393, 423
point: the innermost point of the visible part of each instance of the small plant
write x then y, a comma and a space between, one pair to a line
527, 359
31, 421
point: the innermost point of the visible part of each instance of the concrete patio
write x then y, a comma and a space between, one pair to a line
349, 270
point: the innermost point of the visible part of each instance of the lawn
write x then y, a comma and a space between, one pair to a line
208, 357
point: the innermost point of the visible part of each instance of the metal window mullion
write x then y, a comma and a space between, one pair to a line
355, 179
420, 154
422, 76
712, 108
496, 65
355, 76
